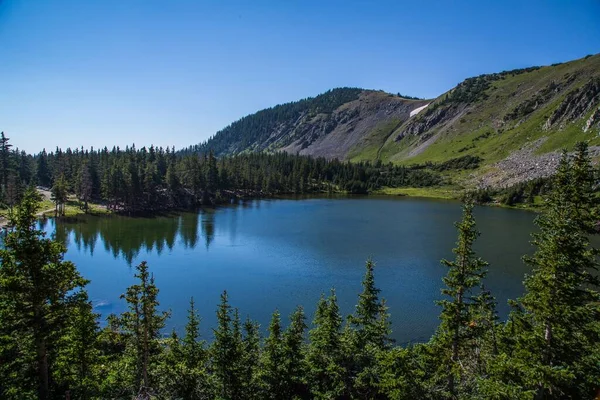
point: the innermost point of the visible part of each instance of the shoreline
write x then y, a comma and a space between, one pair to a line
433, 192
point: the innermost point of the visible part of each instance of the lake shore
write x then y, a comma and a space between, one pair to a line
73, 209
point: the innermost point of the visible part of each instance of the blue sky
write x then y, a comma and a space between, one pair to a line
114, 72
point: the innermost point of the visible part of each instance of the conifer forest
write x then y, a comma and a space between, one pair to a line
54, 346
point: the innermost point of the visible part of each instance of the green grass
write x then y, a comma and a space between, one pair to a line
71, 209
567, 138
483, 132
369, 148
429, 192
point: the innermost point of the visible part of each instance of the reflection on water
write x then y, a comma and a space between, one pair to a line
126, 237
282, 253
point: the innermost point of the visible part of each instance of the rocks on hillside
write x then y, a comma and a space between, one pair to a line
432, 117
336, 134
523, 165
539, 99
594, 120
577, 103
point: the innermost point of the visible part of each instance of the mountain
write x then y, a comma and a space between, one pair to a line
333, 124
514, 121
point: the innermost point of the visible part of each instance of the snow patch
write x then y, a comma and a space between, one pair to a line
417, 110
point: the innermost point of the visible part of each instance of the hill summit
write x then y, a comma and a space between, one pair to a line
514, 121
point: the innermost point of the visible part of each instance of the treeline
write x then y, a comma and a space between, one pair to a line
258, 127
16, 172
151, 179
457, 164
519, 193
549, 348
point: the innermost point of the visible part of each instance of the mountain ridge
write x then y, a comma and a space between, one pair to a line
491, 116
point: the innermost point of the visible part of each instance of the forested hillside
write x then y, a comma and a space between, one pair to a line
52, 345
145, 180
514, 121
332, 125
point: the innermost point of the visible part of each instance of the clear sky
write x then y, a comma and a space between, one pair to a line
114, 72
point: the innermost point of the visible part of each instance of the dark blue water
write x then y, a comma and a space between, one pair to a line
272, 254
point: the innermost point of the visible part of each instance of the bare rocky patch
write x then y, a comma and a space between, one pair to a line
523, 165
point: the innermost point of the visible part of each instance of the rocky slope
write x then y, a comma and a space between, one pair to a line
330, 125
515, 121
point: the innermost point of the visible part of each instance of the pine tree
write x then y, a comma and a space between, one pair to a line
325, 356
557, 329
43, 174
250, 363
193, 348
295, 366
39, 292
12, 191
143, 322
84, 186
464, 274
369, 337
226, 352
184, 365
273, 371
5, 159
212, 174
173, 184
60, 195
79, 357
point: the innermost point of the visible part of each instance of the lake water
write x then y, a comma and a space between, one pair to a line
272, 254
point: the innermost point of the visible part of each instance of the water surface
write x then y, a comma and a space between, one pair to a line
272, 254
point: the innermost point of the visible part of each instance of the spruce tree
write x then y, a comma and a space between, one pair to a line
193, 348
273, 371
79, 356
369, 336
294, 350
458, 310
557, 327
143, 323
184, 372
5, 159
60, 195
226, 352
39, 291
250, 362
325, 356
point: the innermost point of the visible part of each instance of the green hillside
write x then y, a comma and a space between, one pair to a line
513, 121
509, 113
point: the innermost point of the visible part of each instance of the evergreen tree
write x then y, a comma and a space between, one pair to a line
60, 196
325, 356
369, 337
12, 191
184, 368
250, 364
84, 186
79, 356
557, 327
295, 366
273, 371
39, 291
455, 331
226, 353
142, 323
5, 159
212, 174
43, 173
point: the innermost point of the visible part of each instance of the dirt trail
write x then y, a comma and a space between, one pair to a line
45, 193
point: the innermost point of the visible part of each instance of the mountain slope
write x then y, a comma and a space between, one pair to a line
515, 121
331, 125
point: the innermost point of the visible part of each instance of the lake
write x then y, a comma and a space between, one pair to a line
277, 254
